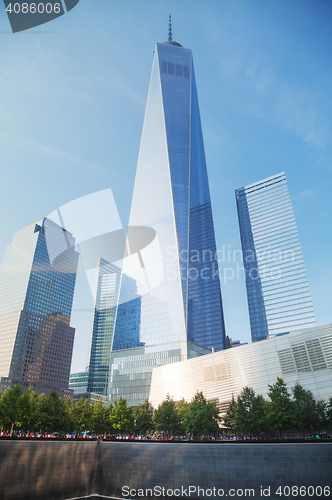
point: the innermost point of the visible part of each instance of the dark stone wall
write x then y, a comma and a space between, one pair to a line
223, 466
40, 470
58, 470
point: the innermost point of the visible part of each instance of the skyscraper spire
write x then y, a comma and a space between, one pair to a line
170, 37
178, 298
170, 28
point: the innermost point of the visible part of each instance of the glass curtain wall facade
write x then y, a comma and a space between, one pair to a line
37, 281
106, 298
108, 308
279, 298
181, 300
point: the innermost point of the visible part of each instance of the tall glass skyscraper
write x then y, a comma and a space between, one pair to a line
107, 308
37, 280
106, 298
177, 276
279, 298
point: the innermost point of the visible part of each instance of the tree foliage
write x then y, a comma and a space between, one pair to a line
328, 413
29, 408
280, 413
230, 417
143, 416
166, 418
82, 415
52, 413
248, 414
101, 418
308, 412
251, 414
11, 407
202, 417
182, 408
122, 417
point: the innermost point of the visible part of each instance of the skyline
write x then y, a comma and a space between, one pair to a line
263, 81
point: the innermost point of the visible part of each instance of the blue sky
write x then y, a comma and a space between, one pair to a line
72, 100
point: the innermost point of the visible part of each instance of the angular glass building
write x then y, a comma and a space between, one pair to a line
37, 281
107, 307
177, 275
106, 298
279, 298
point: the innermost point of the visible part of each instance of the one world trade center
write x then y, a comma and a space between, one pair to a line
170, 305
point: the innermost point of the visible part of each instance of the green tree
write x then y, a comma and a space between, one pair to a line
122, 417
143, 416
100, 417
182, 408
305, 408
51, 412
328, 413
40, 417
68, 414
230, 417
82, 415
279, 414
108, 422
2, 414
29, 407
202, 417
321, 415
250, 411
166, 418
11, 407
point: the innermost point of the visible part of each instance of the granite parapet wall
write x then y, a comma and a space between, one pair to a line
40, 470
60, 470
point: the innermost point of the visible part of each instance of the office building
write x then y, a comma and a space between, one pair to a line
108, 306
78, 383
177, 277
104, 314
303, 356
279, 298
37, 280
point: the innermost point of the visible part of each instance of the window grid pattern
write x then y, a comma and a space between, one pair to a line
279, 298
105, 304
131, 369
309, 356
37, 278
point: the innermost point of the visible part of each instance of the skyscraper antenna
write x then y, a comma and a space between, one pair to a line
170, 28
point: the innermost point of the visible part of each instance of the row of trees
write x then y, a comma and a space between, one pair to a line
251, 414
28, 412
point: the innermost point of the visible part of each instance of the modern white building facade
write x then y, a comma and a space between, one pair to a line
303, 356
